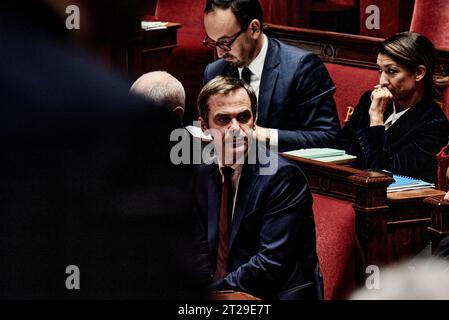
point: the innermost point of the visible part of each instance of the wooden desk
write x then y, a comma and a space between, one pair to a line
231, 295
340, 48
407, 222
389, 227
146, 51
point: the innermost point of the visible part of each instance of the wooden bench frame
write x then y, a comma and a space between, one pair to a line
340, 48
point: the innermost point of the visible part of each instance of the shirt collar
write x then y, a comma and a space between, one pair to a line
237, 170
256, 66
398, 114
236, 167
394, 117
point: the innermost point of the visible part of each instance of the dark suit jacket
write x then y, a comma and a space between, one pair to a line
86, 178
408, 147
272, 250
296, 96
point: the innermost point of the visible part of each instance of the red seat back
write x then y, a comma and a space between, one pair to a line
190, 58
351, 83
336, 245
431, 18
188, 13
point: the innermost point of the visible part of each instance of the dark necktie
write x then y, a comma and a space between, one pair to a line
233, 72
223, 225
246, 75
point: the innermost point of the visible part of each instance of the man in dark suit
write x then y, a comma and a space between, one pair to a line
260, 231
161, 88
295, 93
87, 188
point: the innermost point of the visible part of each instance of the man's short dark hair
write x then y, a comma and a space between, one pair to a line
223, 85
244, 10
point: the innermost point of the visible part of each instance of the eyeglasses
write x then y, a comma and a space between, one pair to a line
223, 45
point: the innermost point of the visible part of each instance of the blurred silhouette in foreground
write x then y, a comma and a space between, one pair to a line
424, 279
86, 178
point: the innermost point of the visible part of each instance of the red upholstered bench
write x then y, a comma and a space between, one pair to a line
346, 204
336, 245
353, 232
430, 18
351, 82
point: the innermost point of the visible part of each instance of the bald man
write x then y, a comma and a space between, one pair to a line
161, 88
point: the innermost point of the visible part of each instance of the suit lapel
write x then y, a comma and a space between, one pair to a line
246, 185
268, 82
213, 206
231, 71
407, 122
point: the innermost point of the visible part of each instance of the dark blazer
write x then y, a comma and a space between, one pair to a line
295, 97
272, 250
408, 147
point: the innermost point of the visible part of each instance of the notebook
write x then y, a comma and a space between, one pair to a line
328, 155
403, 183
342, 159
315, 153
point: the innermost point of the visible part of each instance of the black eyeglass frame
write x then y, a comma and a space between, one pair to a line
226, 46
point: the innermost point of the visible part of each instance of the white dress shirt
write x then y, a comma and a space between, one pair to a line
235, 179
394, 117
256, 68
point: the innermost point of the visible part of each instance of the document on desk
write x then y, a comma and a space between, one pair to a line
328, 155
153, 25
403, 183
196, 132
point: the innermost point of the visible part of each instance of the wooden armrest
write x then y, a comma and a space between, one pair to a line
231, 295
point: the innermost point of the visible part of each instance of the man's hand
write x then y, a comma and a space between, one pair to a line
380, 98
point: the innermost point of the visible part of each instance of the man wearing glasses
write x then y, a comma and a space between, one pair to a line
296, 108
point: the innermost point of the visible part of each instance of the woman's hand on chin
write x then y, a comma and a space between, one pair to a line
380, 97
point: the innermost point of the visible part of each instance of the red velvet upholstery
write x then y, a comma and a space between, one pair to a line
190, 58
284, 12
350, 82
431, 18
336, 245
189, 13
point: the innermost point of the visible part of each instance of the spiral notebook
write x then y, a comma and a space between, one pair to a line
403, 183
